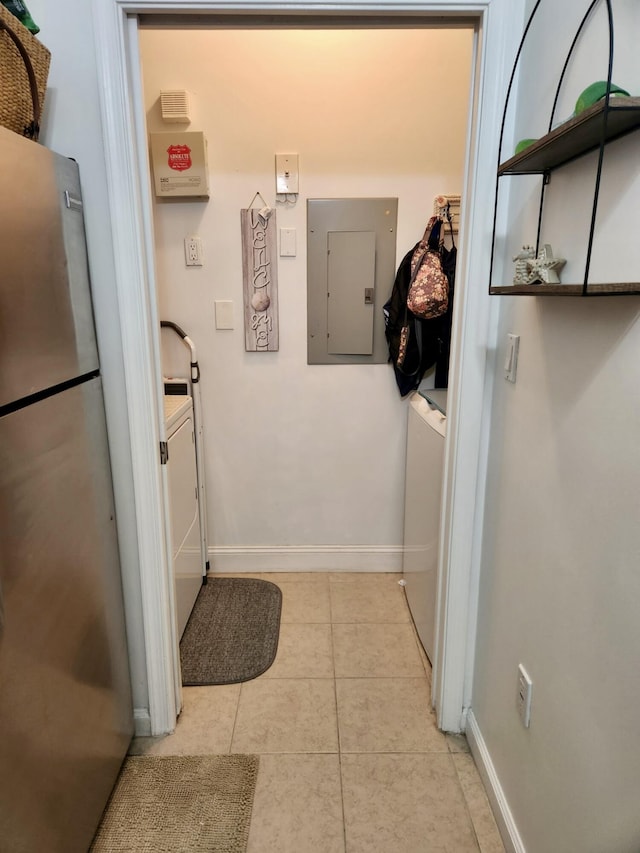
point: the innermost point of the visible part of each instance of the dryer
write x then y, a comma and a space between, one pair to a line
184, 506
426, 430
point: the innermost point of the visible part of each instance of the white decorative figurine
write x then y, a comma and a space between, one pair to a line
521, 261
545, 267
534, 270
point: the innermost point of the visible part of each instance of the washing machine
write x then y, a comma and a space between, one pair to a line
426, 431
184, 507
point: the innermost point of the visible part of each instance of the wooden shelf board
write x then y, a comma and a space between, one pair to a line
615, 289
575, 137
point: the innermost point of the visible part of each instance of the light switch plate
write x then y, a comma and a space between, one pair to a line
523, 699
224, 314
511, 360
287, 242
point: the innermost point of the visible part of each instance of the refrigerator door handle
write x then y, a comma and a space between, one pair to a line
72, 201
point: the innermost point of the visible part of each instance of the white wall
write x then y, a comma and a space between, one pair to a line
71, 125
304, 463
560, 585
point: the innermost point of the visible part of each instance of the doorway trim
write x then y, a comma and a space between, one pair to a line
116, 30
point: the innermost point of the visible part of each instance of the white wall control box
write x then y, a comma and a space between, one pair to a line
180, 164
287, 173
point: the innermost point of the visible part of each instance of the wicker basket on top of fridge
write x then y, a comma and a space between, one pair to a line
24, 69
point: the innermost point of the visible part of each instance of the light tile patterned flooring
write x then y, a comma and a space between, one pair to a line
351, 760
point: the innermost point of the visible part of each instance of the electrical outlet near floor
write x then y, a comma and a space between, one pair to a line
523, 699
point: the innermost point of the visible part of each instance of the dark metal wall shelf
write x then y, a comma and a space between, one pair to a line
613, 289
591, 130
576, 137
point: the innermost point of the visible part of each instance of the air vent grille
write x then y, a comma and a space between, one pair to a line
175, 106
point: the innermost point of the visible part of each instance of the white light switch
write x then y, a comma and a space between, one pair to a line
287, 242
511, 361
523, 700
224, 314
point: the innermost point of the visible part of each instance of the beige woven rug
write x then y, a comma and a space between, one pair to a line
180, 804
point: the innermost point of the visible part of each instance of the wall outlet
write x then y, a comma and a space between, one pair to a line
523, 699
193, 251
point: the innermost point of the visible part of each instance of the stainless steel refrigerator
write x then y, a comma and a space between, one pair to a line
65, 703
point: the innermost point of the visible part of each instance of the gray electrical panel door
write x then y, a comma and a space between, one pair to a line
351, 270
351, 265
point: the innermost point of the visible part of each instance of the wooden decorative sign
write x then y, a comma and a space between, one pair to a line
260, 280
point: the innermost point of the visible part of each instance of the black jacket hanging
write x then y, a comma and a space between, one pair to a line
424, 344
448, 259
429, 340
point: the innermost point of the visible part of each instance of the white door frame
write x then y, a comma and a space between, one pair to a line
465, 467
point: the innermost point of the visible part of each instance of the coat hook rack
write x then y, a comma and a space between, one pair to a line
447, 206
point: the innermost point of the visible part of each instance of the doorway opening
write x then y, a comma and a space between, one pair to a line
465, 469
373, 108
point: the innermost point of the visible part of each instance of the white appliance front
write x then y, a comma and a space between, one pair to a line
183, 505
426, 429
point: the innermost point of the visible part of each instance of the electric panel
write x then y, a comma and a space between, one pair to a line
351, 270
351, 265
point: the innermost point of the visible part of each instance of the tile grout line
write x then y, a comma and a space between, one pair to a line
465, 801
235, 720
335, 693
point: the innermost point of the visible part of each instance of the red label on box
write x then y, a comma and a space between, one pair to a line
179, 157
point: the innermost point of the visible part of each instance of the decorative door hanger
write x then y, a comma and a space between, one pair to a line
260, 279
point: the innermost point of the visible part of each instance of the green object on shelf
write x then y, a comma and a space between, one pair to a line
594, 93
524, 143
19, 9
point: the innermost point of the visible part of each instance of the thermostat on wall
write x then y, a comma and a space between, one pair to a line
180, 164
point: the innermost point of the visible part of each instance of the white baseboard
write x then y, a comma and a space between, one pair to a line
141, 722
306, 558
501, 811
